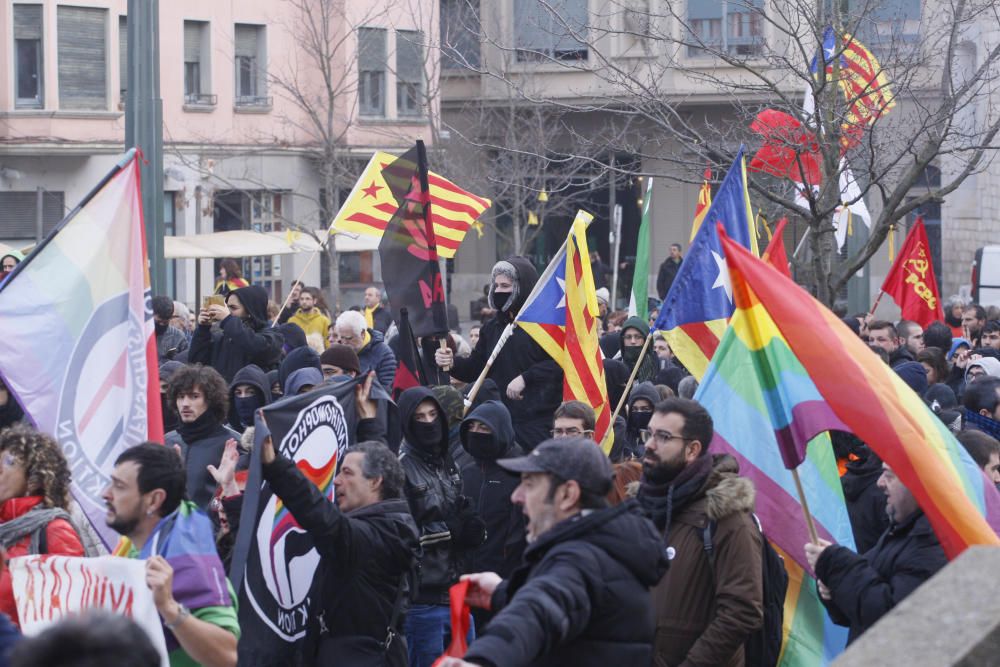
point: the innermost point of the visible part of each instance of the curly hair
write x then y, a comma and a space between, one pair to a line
45, 467
206, 378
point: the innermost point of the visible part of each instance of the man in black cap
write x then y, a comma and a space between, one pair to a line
582, 595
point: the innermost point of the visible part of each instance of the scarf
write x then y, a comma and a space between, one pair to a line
31, 523
205, 426
984, 424
660, 500
370, 317
647, 364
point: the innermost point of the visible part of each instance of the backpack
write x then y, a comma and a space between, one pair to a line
763, 646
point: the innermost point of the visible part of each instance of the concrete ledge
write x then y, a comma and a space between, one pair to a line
953, 619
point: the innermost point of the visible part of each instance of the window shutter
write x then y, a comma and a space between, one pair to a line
27, 21
192, 41
82, 58
371, 49
410, 56
246, 41
532, 26
123, 53
704, 9
19, 210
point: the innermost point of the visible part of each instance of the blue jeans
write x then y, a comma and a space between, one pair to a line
428, 628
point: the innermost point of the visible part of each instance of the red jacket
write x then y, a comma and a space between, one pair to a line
60, 540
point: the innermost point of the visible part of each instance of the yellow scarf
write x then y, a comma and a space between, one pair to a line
370, 317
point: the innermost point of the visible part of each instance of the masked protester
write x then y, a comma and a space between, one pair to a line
640, 409
168, 409
529, 380
633, 336
247, 392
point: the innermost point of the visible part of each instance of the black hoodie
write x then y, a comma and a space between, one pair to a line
256, 378
865, 501
239, 342
489, 488
582, 596
532, 415
433, 489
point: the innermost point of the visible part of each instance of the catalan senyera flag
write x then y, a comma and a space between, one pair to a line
561, 315
843, 383
372, 203
911, 282
704, 202
694, 314
79, 351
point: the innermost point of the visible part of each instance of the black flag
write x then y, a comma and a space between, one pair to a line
274, 560
409, 367
408, 251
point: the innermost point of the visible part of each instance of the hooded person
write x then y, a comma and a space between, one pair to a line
487, 434
914, 375
303, 380
641, 401
633, 336
300, 357
446, 521
248, 392
10, 410
941, 399
168, 409
292, 335
989, 366
245, 336
453, 405
865, 501
529, 381
275, 384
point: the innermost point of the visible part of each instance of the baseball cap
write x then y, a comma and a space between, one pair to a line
578, 459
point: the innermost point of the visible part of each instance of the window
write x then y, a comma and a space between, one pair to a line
409, 72
371, 71
20, 213
732, 26
28, 56
459, 34
250, 66
122, 57
83, 58
554, 29
196, 70
885, 24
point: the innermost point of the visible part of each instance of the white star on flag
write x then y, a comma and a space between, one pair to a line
722, 280
562, 286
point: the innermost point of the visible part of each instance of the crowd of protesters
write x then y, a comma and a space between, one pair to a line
648, 555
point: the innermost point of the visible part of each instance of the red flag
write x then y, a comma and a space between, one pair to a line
789, 151
911, 282
775, 254
460, 622
409, 370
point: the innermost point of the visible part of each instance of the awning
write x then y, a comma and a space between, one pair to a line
242, 243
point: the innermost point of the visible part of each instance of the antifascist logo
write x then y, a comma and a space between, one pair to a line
282, 558
102, 405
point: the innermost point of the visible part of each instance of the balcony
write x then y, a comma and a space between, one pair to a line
200, 102
253, 104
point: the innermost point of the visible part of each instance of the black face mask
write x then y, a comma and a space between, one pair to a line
483, 446
427, 434
160, 328
502, 300
245, 407
638, 420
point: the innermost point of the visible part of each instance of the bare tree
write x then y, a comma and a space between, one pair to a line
691, 82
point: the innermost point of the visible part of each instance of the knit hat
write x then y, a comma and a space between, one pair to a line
913, 374
604, 296
451, 402
341, 356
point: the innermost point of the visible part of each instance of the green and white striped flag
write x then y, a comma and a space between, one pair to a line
638, 303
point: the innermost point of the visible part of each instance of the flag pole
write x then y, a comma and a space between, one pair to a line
813, 537
628, 386
875, 305
489, 364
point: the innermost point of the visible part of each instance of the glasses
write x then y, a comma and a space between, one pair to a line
660, 437
569, 432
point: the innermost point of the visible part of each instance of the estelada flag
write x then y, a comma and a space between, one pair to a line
911, 282
78, 350
371, 204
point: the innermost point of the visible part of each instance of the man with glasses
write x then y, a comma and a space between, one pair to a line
574, 419
709, 602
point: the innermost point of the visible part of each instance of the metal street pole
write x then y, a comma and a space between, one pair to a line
144, 125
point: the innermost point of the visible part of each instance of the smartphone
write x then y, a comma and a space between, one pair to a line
214, 300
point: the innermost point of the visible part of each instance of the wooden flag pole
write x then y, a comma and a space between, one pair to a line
875, 305
814, 538
489, 364
628, 386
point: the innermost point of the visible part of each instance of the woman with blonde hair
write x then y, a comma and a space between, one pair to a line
34, 503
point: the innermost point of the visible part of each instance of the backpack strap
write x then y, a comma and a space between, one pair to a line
707, 533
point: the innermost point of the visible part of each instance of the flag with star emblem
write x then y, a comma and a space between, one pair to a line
561, 315
372, 203
700, 301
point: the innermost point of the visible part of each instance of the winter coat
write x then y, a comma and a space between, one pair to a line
665, 277
364, 555
239, 342
489, 488
256, 378
376, 356
705, 612
313, 322
864, 588
581, 598
197, 455
649, 365
61, 539
865, 501
170, 343
433, 489
381, 319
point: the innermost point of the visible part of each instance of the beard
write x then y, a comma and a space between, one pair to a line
660, 472
122, 525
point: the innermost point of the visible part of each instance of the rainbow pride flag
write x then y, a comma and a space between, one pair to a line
845, 382
750, 389
78, 351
